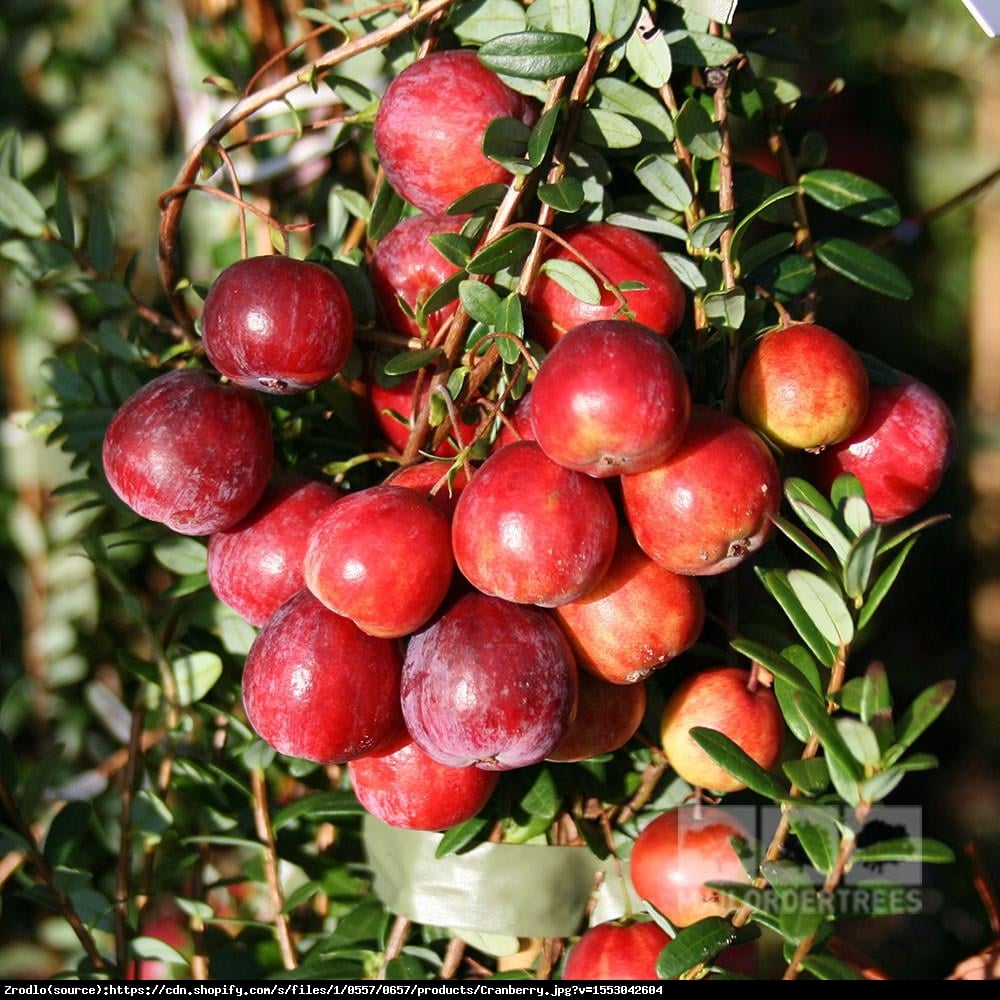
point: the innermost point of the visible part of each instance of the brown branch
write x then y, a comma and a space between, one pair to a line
123, 866
394, 946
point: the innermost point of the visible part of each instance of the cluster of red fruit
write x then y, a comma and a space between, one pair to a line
578, 541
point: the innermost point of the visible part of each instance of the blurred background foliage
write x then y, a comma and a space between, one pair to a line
108, 94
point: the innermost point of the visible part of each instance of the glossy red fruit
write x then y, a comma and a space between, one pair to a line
638, 618
720, 699
621, 255
412, 791
406, 266
710, 504
677, 853
255, 566
520, 426
395, 407
900, 452
381, 557
189, 453
530, 531
423, 477
430, 125
618, 950
607, 717
315, 686
277, 325
610, 398
489, 683
804, 387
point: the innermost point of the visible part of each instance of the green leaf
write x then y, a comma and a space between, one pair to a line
319, 806
777, 664
101, 239
860, 560
726, 310
444, 294
648, 222
744, 225
150, 815
880, 589
566, 195
818, 833
828, 735
777, 585
664, 182
534, 55
463, 835
607, 129
921, 713
571, 16
812, 777
648, 54
455, 248
733, 759
541, 134
921, 849
68, 833
479, 21
824, 605
860, 740
486, 196
613, 94
575, 278
411, 361
11, 153
789, 275
479, 300
709, 228
851, 195
542, 799
510, 319
63, 212
195, 675
864, 267
827, 967
800, 915
506, 141
697, 131
855, 515
387, 209
40, 780
181, 555
693, 48
301, 895
686, 270
19, 208
151, 948
804, 542
693, 945
505, 251
614, 18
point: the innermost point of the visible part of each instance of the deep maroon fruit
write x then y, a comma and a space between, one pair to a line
277, 324
316, 686
381, 557
189, 453
610, 398
489, 683
528, 530
430, 125
410, 790
255, 566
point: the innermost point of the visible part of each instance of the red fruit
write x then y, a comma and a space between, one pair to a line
638, 618
900, 452
398, 401
277, 324
719, 699
189, 453
406, 266
804, 387
610, 398
422, 477
164, 921
710, 504
412, 791
430, 125
489, 683
617, 951
255, 566
386, 540
621, 255
520, 427
315, 686
677, 853
528, 530
607, 717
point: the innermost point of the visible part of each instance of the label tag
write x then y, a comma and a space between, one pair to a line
718, 10
986, 13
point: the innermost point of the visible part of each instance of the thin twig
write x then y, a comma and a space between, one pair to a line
123, 867
394, 946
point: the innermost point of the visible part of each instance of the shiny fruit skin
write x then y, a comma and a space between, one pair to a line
710, 504
277, 325
607, 717
519, 426
430, 125
315, 686
256, 565
638, 618
423, 477
405, 265
617, 951
677, 853
189, 453
610, 398
489, 683
621, 255
381, 557
719, 699
530, 531
899, 453
804, 387
400, 400
411, 791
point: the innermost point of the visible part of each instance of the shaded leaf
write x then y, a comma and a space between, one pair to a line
481, 20
387, 209
852, 195
726, 310
921, 713
921, 849
860, 740
664, 182
829, 736
777, 585
733, 759
686, 270
864, 267
614, 18
827, 967
195, 675
541, 135
883, 584
19, 208
607, 129
812, 777
505, 251
566, 195
860, 560
698, 943
464, 835
693, 48
479, 300
774, 662
697, 131
709, 228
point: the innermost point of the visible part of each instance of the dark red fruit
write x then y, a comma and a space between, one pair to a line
622, 951
395, 407
607, 716
423, 477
